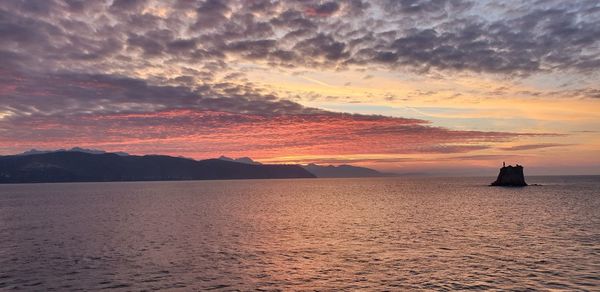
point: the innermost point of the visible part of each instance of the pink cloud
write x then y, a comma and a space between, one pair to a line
202, 133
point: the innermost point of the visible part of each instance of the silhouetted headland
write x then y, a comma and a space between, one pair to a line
329, 171
510, 176
344, 170
94, 165
78, 166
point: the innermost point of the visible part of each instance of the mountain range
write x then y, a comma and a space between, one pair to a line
74, 149
75, 166
343, 170
91, 165
328, 171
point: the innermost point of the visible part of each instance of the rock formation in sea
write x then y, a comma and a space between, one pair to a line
510, 176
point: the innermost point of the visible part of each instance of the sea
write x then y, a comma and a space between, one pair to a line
368, 234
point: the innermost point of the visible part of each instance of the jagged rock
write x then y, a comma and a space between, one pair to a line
510, 176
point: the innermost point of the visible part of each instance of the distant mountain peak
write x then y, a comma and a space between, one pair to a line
78, 166
343, 170
34, 151
90, 151
245, 160
74, 149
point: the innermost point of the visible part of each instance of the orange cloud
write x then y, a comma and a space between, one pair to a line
202, 133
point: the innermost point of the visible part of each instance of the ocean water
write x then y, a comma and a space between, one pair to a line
310, 234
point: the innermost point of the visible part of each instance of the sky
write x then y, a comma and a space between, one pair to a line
426, 86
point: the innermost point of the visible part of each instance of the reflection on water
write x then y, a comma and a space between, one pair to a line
379, 234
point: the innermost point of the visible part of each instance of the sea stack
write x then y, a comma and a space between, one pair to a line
510, 176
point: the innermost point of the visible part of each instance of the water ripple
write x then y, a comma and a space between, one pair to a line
278, 235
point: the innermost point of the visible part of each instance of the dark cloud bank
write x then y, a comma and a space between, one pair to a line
420, 34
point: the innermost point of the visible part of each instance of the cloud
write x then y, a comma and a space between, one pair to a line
394, 159
452, 148
25, 94
211, 13
324, 9
324, 46
202, 133
115, 112
430, 8
127, 5
132, 34
154, 76
534, 146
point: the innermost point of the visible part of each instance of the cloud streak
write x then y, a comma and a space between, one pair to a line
534, 146
203, 133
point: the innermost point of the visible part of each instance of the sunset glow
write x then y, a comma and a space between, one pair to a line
431, 87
